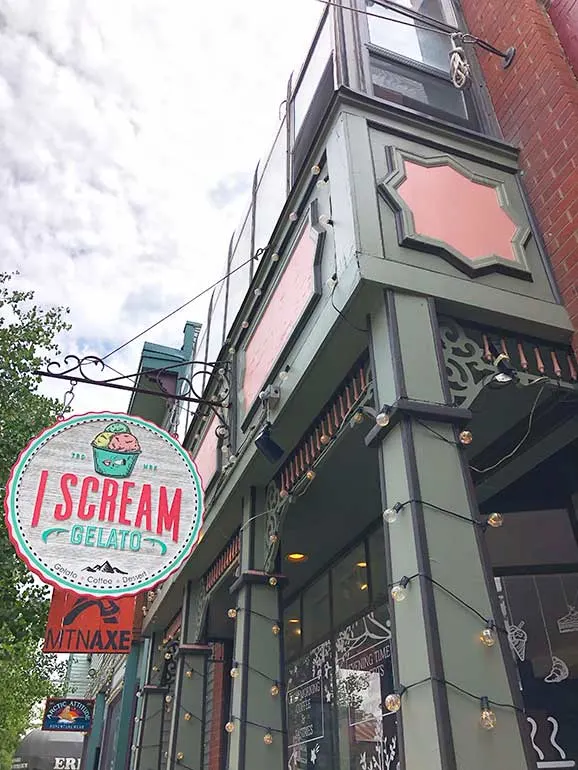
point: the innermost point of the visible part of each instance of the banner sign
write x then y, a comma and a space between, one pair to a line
68, 714
89, 624
104, 504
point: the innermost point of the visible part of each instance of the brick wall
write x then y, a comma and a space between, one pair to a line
564, 15
536, 103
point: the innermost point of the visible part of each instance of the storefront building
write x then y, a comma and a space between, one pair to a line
387, 574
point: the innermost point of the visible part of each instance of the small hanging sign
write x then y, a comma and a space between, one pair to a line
104, 504
68, 715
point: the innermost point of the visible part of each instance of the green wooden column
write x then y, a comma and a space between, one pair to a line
147, 740
186, 741
436, 638
257, 700
94, 739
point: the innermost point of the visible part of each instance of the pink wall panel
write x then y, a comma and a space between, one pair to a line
451, 208
564, 15
206, 456
286, 305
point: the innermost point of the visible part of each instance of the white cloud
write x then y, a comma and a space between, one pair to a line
130, 131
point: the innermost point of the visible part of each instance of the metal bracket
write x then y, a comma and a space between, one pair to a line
403, 407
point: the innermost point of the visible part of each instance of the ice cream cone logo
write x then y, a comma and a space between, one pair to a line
115, 451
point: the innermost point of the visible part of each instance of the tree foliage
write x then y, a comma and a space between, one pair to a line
27, 339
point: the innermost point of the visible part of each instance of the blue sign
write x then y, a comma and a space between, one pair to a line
68, 714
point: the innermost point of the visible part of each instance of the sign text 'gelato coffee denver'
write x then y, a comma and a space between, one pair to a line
104, 504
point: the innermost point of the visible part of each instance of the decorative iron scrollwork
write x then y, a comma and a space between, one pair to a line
465, 366
170, 664
276, 510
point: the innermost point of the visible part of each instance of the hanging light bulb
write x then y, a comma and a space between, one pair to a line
275, 628
245, 325
275, 690
393, 702
465, 438
399, 591
155, 669
273, 581
274, 538
382, 418
188, 717
315, 170
232, 613
234, 671
189, 674
390, 515
275, 257
267, 739
495, 520
168, 698
258, 292
283, 375
357, 418
293, 216
310, 474
229, 727
168, 656
180, 756
488, 635
324, 439
325, 220
487, 717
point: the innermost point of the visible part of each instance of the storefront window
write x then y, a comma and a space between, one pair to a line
336, 689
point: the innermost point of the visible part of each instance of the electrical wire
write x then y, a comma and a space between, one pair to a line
256, 256
520, 443
447, 511
342, 315
420, 25
403, 688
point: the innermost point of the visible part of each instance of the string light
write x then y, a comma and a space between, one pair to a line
234, 672
293, 216
275, 257
495, 520
488, 636
274, 538
382, 417
315, 170
188, 717
168, 698
465, 438
390, 515
357, 418
267, 738
189, 674
273, 581
275, 690
232, 613
310, 474
275, 629
229, 727
324, 439
399, 591
487, 717
393, 702
284, 374
180, 756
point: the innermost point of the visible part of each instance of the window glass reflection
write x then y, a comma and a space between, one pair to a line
440, 10
367, 733
350, 582
316, 611
404, 36
378, 576
292, 630
312, 75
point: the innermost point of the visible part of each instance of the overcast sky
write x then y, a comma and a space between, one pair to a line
129, 132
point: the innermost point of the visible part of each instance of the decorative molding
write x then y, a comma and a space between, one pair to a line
390, 186
226, 558
469, 364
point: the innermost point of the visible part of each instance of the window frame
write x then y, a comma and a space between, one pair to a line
371, 51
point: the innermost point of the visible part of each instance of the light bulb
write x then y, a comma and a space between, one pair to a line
393, 702
234, 672
180, 756
231, 351
382, 419
133, 747
267, 739
275, 629
232, 459
168, 698
273, 538
310, 475
283, 375
232, 613
275, 257
321, 183
189, 674
188, 717
466, 438
229, 727
293, 216
275, 690
155, 669
324, 439
399, 591
357, 418
315, 170
168, 656
495, 520
488, 637
258, 292
390, 515
324, 220
331, 282
273, 581
138, 694
487, 717
165, 640
245, 325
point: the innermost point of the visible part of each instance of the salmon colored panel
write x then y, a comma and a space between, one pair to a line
206, 457
286, 305
464, 214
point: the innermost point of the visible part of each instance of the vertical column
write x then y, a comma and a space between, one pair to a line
256, 720
437, 638
127, 709
188, 718
94, 739
148, 737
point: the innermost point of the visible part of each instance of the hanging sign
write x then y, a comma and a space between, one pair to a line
104, 504
89, 624
68, 714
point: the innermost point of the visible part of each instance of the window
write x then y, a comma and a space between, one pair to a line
409, 57
337, 680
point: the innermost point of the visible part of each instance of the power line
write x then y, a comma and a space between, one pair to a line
184, 305
417, 25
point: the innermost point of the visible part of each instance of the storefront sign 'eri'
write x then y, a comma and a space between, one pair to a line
104, 504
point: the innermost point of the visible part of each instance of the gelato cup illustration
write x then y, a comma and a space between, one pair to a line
115, 451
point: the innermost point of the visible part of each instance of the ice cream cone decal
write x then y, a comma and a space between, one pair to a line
115, 451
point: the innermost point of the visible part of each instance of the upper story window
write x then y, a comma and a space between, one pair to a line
409, 44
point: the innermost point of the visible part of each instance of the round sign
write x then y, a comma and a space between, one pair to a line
104, 504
